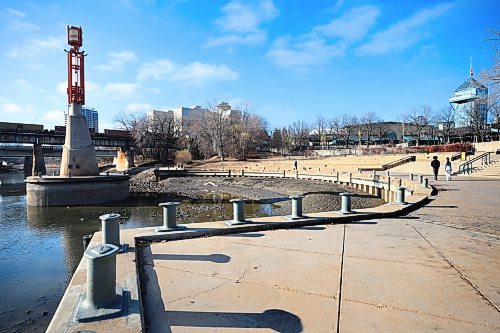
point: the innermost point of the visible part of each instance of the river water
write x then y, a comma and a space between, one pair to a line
40, 247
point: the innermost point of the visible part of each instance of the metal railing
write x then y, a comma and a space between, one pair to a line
468, 167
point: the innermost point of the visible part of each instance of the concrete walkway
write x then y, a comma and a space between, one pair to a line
437, 269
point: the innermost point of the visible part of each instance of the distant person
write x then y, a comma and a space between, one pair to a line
447, 169
296, 164
435, 164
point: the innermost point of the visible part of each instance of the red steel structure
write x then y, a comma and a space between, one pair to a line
76, 82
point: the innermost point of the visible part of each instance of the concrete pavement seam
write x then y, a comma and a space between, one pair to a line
341, 272
462, 275
395, 308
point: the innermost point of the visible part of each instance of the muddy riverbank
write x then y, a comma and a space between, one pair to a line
319, 196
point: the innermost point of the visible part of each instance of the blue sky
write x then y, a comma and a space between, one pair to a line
286, 60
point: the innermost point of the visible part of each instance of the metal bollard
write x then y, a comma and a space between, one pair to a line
387, 173
411, 176
296, 207
425, 183
346, 203
110, 229
400, 196
420, 179
238, 212
169, 218
101, 297
110, 224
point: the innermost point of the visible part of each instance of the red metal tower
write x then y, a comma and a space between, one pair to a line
76, 78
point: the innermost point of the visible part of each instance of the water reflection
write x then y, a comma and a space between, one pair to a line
41, 247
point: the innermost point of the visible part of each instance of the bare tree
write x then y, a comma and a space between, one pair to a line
299, 133
381, 129
474, 115
418, 121
349, 124
368, 122
446, 119
155, 138
334, 127
320, 124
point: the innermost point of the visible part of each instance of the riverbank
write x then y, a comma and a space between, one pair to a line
319, 196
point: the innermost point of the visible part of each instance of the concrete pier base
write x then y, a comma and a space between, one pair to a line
71, 191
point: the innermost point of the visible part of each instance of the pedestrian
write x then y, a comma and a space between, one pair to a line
296, 164
447, 169
435, 164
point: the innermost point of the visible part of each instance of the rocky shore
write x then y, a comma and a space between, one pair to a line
319, 196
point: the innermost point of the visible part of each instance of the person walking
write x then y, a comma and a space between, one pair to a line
447, 169
296, 164
435, 164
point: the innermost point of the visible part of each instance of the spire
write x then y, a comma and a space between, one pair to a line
471, 71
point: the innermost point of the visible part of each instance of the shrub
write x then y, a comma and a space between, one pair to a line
183, 157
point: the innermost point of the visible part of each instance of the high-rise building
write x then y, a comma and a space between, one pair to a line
92, 117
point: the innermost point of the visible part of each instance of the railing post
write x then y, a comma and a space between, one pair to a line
346, 203
169, 217
411, 176
425, 183
238, 212
101, 298
296, 207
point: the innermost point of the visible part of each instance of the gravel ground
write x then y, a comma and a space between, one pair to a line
319, 196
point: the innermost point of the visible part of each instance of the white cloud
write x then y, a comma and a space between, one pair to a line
253, 38
241, 22
404, 33
13, 108
62, 86
17, 23
118, 60
119, 91
54, 115
196, 73
157, 70
138, 107
324, 42
307, 51
352, 25
23, 84
15, 13
32, 47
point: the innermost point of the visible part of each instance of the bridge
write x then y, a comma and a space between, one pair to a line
53, 138
49, 143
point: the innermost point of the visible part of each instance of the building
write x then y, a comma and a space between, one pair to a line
179, 114
470, 95
92, 117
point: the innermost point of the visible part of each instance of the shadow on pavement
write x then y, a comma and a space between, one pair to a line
249, 234
215, 257
275, 319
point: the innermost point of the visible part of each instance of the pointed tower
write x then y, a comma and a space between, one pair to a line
79, 156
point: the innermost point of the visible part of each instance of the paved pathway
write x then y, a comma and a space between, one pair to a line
437, 269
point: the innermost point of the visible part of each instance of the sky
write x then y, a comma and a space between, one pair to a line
286, 60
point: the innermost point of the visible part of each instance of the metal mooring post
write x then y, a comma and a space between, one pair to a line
102, 299
238, 212
425, 183
411, 176
169, 218
86, 240
387, 173
111, 230
296, 207
346, 203
400, 195
420, 179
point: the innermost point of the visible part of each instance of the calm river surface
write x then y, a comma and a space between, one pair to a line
41, 247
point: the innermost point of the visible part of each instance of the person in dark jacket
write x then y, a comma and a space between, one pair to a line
435, 164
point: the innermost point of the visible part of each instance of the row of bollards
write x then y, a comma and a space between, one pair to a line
103, 300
